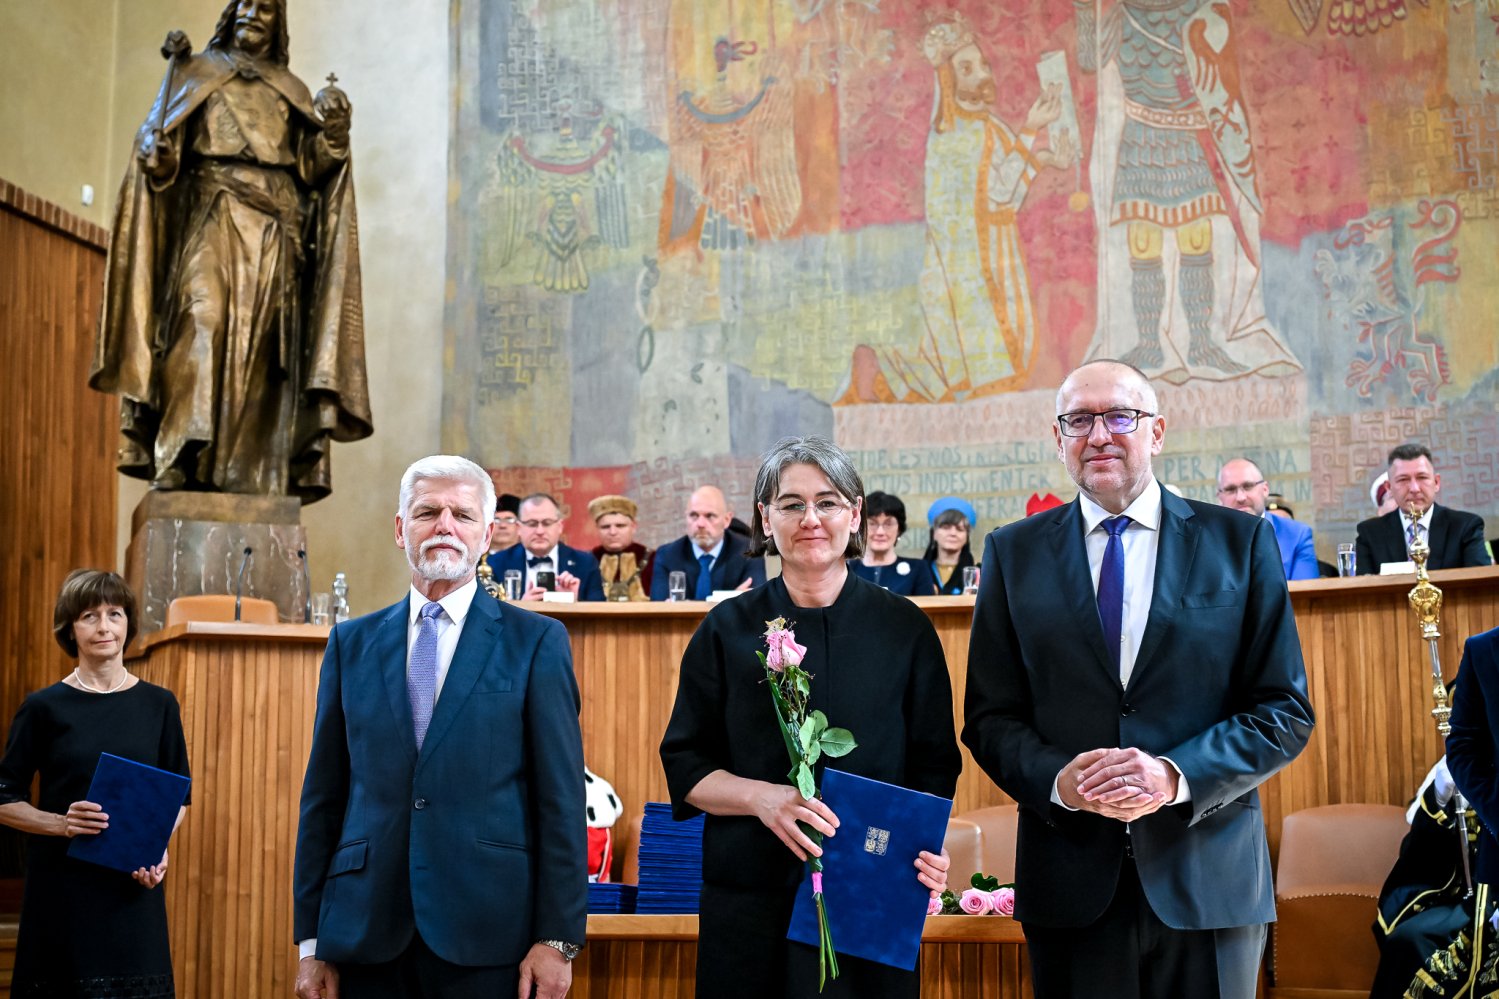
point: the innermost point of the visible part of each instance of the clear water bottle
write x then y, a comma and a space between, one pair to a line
340, 597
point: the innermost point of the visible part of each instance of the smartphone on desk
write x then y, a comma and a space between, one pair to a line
546, 579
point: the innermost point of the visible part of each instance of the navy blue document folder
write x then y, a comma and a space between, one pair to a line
876, 907
141, 803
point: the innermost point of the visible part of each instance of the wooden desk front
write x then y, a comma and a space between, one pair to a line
248, 695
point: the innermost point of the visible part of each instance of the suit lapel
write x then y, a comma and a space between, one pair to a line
1076, 583
390, 650
477, 643
1173, 563
1436, 541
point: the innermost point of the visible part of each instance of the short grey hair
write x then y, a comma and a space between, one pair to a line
446, 468
823, 455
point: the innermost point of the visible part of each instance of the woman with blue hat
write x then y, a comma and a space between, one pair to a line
952, 520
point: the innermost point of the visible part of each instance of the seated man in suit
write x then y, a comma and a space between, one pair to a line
542, 552
442, 849
712, 557
1454, 537
1242, 486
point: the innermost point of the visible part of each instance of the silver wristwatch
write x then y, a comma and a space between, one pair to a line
567, 950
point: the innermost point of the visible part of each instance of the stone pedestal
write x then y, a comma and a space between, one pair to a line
187, 543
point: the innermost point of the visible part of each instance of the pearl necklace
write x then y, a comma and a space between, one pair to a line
95, 690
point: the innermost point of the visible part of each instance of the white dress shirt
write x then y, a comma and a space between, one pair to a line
1424, 520
455, 607
531, 571
1142, 543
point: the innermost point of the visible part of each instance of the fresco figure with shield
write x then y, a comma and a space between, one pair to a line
1176, 193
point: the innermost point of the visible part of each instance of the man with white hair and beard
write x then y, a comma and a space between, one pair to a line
441, 850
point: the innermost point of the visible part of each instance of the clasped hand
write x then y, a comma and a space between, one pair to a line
1124, 784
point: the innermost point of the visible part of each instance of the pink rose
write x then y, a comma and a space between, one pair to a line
1004, 901
783, 650
933, 905
976, 902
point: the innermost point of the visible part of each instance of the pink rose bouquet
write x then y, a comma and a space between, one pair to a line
986, 896
934, 905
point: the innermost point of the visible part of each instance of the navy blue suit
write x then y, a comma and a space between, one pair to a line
574, 560
479, 842
1472, 748
1455, 540
1298, 554
732, 567
1218, 686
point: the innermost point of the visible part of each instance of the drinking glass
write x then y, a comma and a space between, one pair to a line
512, 584
322, 608
1347, 559
970, 579
676, 584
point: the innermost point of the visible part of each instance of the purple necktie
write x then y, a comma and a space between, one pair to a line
421, 678
1111, 588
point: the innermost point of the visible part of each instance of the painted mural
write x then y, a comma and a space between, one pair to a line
680, 230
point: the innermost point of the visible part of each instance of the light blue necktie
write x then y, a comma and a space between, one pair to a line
1111, 588
704, 578
421, 678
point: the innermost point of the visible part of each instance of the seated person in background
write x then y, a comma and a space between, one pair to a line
624, 563
713, 557
952, 520
885, 518
541, 551
506, 523
1454, 536
1242, 486
1421, 906
1379, 494
1276, 503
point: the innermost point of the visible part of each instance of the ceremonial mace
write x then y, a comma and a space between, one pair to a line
1426, 601
486, 580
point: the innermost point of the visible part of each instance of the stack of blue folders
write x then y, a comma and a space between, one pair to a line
610, 897
671, 862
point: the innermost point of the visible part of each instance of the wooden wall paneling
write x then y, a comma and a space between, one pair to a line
248, 694
57, 436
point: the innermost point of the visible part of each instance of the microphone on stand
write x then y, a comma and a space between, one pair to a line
239, 582
306, 588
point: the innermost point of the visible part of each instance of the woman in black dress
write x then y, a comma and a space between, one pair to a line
878, 670
88, 931
885, 522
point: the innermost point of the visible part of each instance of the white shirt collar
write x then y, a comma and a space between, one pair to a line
1425, 520
456, 604
714, 551
556, 561
1144, 511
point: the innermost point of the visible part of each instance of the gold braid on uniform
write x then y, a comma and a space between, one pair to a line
1453, 972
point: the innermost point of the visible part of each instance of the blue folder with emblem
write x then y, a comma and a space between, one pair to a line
142, 804
876, 907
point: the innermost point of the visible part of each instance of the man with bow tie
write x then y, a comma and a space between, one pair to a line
541, 550
1453, 537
